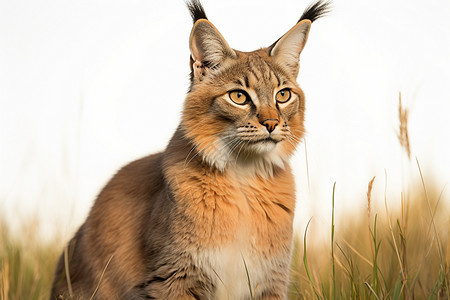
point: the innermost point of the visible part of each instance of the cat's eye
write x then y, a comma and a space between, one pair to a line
283, 96
238, 96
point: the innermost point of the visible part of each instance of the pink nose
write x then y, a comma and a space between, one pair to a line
270, 124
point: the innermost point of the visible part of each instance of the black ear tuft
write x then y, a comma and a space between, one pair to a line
196, 9
316, 10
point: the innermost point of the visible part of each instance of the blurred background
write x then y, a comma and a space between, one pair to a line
88, 86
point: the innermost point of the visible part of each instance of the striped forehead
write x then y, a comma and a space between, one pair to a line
261, 78
260, 72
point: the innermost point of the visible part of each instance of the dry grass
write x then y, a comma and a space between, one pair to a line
392, 255
26, 263
371, 260
403, 136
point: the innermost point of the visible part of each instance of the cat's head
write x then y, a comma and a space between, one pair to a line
245, 108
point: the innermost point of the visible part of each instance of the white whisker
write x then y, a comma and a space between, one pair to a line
243, 145
236, 144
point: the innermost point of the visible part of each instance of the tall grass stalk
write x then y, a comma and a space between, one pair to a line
101, 277
374, 288
305, 263
333, 296
249, 282
66, 269
443, 278
392, 233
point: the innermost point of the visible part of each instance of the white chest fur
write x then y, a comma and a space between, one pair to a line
238, 274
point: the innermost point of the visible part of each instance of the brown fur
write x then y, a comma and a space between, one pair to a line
217, 205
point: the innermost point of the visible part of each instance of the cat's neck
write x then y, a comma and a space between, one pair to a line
183, 155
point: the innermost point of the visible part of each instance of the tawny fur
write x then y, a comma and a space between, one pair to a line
216, 207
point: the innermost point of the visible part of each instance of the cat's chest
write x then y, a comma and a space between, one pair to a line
256, 213
239, 231
242, 266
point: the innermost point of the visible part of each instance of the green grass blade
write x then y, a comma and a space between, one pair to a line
333, 291
305, 262
249, 282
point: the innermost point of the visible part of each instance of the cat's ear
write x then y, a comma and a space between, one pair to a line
208, 48
286, 51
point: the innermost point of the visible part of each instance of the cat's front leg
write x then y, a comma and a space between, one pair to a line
273, 291
273, 296
177, 286
174, 290
154, 294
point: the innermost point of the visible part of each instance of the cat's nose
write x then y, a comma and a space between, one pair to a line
270, 124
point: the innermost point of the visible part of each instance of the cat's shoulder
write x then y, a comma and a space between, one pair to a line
138, 178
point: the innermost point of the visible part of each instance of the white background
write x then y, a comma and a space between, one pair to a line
87, 86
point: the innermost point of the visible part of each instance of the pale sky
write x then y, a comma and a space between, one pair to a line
88, 86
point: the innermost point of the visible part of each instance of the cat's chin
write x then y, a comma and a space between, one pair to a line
260, 159
262, 147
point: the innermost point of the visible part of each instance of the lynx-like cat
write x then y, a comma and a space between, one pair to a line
211, 216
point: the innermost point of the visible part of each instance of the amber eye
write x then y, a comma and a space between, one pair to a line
238, 97
283, 96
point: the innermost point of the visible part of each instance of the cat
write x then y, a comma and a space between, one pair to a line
211, 217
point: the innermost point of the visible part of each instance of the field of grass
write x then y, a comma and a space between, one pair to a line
26, 263
378, 253
369, 255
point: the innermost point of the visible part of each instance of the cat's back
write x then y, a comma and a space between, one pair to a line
113, 236
136, 181
122, 208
